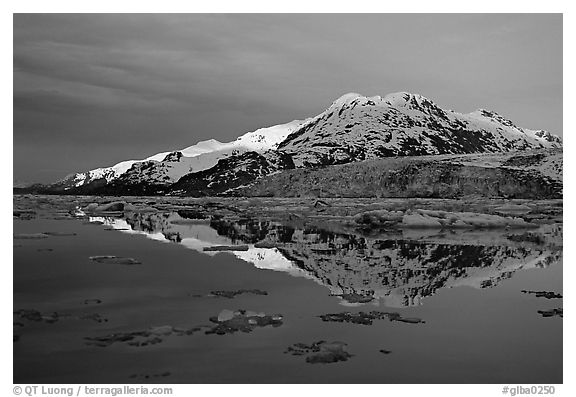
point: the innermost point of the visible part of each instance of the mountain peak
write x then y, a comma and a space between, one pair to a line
346, 99
396, 99
402, 99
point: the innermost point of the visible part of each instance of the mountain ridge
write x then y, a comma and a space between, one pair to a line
204, 154
401, 124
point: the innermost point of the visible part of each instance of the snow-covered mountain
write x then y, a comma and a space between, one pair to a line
357, 128
353, 128
167, 167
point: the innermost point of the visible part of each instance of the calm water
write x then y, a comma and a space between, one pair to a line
479, 327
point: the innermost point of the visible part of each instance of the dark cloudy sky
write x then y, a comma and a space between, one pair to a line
92, 90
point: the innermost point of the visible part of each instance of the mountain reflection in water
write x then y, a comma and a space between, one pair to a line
396, 270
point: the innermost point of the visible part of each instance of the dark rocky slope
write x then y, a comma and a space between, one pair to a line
231, 172
524, 175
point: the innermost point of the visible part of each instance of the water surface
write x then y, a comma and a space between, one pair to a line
467, 286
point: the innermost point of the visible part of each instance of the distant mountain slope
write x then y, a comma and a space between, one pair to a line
167, 167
